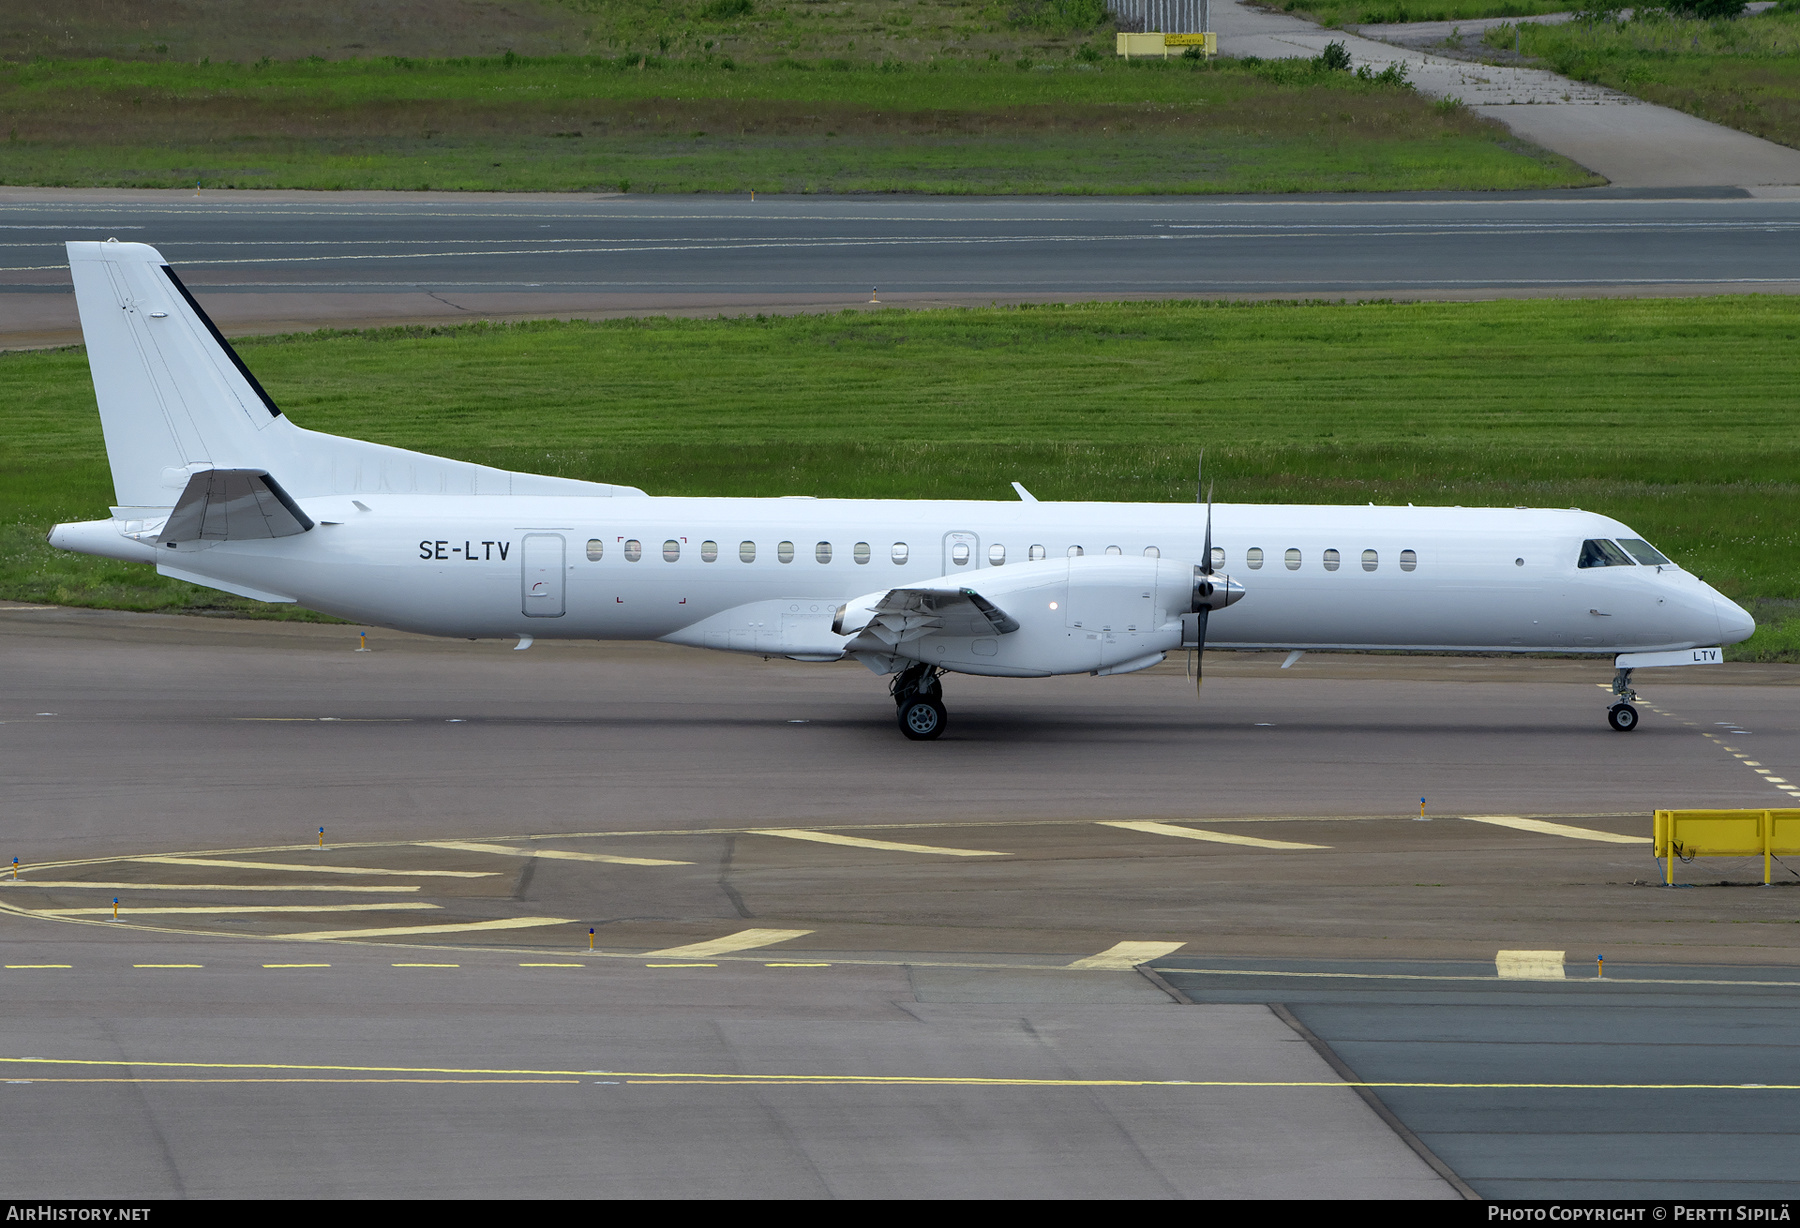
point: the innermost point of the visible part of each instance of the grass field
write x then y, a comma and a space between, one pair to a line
1378, 12
1743, 73
650, 124
1673, 415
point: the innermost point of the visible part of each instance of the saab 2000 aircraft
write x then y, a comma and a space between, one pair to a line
217, 487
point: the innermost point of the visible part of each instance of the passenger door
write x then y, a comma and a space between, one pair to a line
541, 558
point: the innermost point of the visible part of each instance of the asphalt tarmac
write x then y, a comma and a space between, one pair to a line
826, 961
289, 260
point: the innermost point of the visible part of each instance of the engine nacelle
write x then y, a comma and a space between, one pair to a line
1098, 614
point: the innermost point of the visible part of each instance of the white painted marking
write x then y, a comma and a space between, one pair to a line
278, 865
1529, 965
1543, 828
131, 910
1195, 833
508, 923
1124, 956
743, 940
860, 842
470, 846
31, 882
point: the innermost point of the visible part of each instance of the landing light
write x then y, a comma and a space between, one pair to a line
1053, 605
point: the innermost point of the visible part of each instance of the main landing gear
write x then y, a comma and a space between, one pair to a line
919, 702
1622, 716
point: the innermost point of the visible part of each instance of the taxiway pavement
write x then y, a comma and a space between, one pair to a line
826, 961
275, 261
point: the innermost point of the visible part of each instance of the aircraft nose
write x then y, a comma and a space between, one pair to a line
1735, 623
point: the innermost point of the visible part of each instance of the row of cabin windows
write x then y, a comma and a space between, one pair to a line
959, 554
1292, 558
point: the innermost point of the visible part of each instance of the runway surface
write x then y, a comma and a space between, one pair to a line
272, 261
827, 961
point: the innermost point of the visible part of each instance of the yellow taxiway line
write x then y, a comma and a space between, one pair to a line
470, 846
743, 940
505, 923
294, 869
1195, 833
1543, 828
860, 842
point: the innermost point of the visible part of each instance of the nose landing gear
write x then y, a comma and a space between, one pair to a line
1622, 716
919, 702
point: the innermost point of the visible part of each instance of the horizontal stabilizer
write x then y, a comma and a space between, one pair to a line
226, 505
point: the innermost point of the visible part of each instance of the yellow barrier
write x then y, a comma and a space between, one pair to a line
1687, 834
1159, 44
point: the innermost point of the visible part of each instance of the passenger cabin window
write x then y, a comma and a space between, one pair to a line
634, 550
596, 548
709, 552
1598, 552
1371, 560
1218, 557
784, 551
747, 552
822, 552
671, 550
1253, 558
959, 554
899, 552
860, 552
996, 555
1292, 559
1114, 550
1036, 553
1075, 552
1409, 560
1151, 552
1331, 560
1644, 552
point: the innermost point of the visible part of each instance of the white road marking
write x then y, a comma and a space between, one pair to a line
470, 927
129, 910
1124, 956
860, 842
278, 865
470, 846
1195, 833
1543, 828
1529, 965
743, 940
30, 882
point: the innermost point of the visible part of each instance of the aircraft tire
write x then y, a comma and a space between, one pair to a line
1622, 717
922, 719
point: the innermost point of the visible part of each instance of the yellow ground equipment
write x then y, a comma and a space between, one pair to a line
1686, 834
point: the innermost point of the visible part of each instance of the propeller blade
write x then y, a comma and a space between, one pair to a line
1200, 476
1199, 656
1206, 565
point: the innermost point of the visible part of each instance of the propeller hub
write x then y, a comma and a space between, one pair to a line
1215, 590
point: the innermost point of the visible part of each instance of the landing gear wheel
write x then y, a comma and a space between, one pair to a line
922, 718
1622, 717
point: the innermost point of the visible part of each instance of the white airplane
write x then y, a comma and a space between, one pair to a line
217, 487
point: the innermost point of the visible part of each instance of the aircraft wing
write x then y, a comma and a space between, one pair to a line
908, 613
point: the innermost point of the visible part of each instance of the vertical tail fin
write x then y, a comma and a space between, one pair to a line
174, 397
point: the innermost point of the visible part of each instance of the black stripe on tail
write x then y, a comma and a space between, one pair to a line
267, 400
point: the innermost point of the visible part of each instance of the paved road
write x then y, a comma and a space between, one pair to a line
1631, 142
267, 261
748, 981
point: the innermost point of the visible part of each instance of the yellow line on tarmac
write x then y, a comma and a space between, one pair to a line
469, 846
1543, 828
859, 842
508, 923
168, 965
743, 940
234, 908
725, 1079
24, 966
278, 865
1124, 956
509, 1082
27, 882
1195, 833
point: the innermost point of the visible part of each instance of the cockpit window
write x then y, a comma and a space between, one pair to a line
1643, 552
1598, 552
